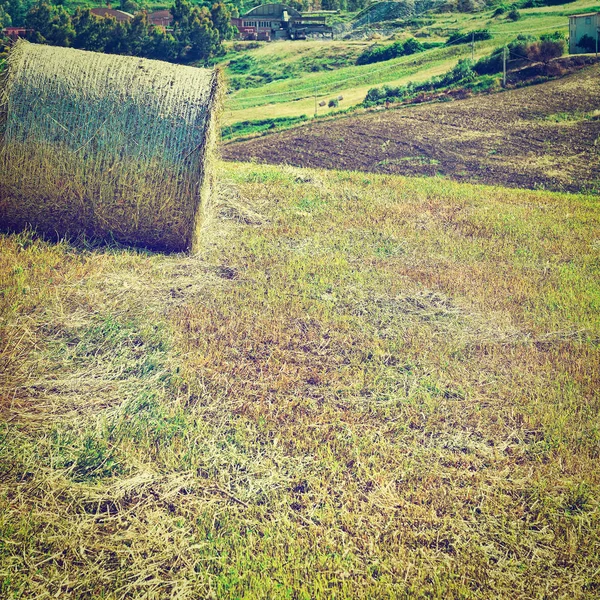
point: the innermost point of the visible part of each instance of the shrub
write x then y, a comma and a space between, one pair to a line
259, 125
460, 37
523, 48
545, 51
587, 43
333, 103
538, 3
513, 15
374, 95
412, 46
552, 37
377, 53
461, 73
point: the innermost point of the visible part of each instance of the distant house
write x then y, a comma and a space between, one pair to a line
279, 21
580, 26
160, 18
17, 32
119, 15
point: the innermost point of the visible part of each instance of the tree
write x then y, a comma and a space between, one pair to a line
52, 24
16, 10
139, 35
333, 4
194, 30
118, 41
128, 6
163, 46
221, 18
182, 14
203, 37
5, 20
92, 32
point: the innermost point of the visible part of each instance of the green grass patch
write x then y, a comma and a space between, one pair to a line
245, 128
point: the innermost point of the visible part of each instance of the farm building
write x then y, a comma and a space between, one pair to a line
119, 15
160, 18
278, 21
17, 32
581, 26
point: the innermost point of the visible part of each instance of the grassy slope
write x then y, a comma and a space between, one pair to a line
296, 96
364, 386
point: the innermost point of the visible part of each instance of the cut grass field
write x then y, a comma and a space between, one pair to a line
364, 386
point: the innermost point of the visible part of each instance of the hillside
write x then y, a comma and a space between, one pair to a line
545, 135
364, 386
293, 94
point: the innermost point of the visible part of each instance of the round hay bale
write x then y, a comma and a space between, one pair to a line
113, 147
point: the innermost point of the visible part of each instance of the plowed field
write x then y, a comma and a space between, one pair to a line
545, 136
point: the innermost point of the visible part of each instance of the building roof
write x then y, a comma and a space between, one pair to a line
585, 15
160, 17
119, 15
272, 11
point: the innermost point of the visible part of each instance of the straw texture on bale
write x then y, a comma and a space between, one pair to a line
113, 147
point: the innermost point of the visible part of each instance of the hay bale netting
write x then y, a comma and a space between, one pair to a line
114, 147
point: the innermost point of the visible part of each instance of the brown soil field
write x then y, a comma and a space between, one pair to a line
541, 136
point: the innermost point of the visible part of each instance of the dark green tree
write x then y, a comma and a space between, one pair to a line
128, 6
17, 10
221, 18
182, 14
203, 37
52, 24
92, 32
163, 46
194, 30
139, 35
587, 43
118, 42
5, 20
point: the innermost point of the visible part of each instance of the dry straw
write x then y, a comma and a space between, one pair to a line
108, 146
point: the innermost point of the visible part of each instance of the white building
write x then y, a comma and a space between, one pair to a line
580, 26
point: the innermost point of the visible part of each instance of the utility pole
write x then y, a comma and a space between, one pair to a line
473, 46
315, 91
597, 35
504, 67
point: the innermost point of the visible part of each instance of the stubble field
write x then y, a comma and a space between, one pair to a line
364, 386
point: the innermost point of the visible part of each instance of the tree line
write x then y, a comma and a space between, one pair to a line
196, 34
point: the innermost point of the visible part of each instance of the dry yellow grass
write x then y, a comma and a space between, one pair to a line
362, 387
108, 146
